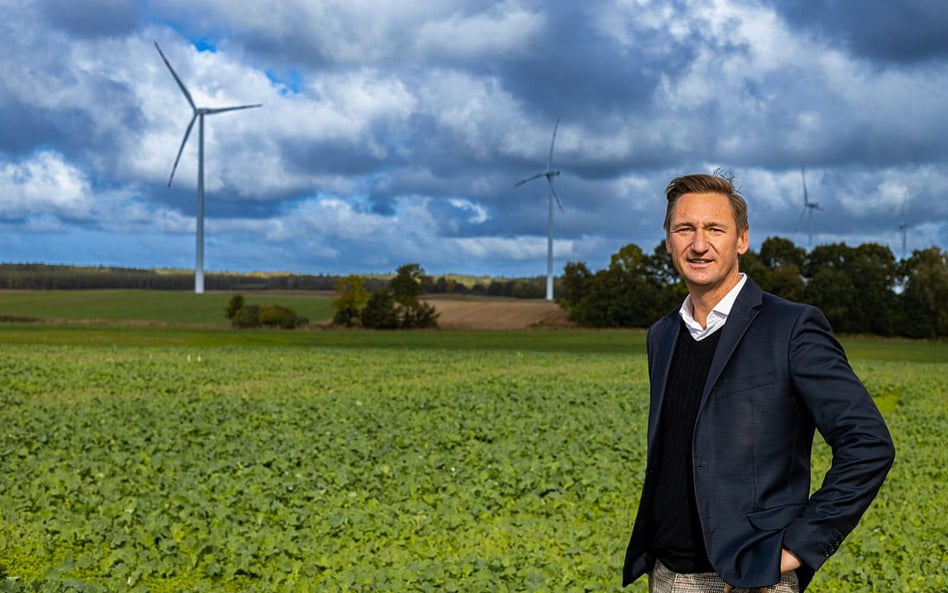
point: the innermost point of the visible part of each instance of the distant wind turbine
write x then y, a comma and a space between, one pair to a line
808, 208
903, 227
199, 113
549, 173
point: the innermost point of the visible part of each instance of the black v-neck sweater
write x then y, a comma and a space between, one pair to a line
675, 527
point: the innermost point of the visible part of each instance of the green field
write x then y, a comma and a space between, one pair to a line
160, 306
210, 459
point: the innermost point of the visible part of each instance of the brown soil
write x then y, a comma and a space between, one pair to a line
500, 314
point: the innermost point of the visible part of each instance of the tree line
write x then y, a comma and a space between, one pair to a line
860, 289
34, 276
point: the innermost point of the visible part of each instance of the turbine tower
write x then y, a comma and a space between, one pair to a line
198, 114
808, 208
902, 228
549, 173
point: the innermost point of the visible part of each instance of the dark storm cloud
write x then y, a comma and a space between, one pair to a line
92, 18
332, 156
904, 31
575, 71
24, 128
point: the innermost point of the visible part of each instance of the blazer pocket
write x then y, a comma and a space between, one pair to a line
737, 384
776, 518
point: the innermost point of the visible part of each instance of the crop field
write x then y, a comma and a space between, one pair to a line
144, 306
199, 459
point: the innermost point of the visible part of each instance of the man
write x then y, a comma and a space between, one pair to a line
739, 381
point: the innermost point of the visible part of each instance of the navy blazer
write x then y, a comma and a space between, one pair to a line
777, 375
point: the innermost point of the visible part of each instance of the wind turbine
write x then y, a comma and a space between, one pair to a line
549, 173
903, 227
199, 113
808, 207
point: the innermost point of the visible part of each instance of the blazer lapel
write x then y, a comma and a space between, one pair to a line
743, 312
667, 337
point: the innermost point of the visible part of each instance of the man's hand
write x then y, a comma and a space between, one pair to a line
788, 562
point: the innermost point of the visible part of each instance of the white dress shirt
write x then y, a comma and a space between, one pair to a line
716, 318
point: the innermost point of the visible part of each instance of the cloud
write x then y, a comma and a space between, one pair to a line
394, 131
44, 186
910, 31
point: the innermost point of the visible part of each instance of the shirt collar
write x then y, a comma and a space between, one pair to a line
718, 315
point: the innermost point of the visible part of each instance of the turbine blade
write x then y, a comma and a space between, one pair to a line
522, 181
555, 197
806, 200
180, 150
223, 109
549, 160
799, 220
184, 90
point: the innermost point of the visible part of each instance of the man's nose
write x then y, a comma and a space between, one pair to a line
699, 243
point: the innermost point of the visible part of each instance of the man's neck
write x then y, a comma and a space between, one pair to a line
704, 300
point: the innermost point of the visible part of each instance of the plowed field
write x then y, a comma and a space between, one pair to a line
512, 314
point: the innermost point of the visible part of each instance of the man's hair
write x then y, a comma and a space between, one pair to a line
720, 182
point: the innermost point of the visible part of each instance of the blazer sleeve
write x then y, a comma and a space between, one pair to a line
850, 422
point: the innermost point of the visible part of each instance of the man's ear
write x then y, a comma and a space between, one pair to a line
743, 242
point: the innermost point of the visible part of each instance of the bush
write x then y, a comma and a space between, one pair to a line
246, 316
417, 315
280, 316
265, 316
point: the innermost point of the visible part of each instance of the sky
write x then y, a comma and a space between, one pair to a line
393, 132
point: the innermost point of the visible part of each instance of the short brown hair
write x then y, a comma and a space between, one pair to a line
719, 182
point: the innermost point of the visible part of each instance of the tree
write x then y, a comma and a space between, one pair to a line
235, 304
351, 297
400, 306
751, 264
406, 290
832, 291
660, 270
874, 273
786, 281
575, 282
406, 286
830, 256
777, 252
925, 294
632, 291
783, 264
379, 311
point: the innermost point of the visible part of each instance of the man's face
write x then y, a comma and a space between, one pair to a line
704, 242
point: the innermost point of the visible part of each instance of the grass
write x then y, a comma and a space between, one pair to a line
157, 306
503, 460
150, 318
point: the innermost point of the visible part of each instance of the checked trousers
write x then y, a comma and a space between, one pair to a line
663, 580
